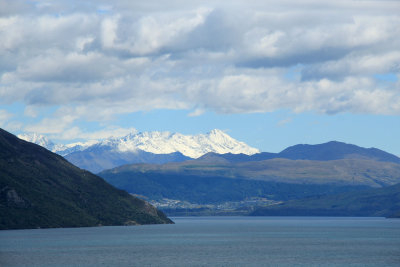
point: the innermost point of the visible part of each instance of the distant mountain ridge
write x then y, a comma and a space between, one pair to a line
351, 172
332, 150
98, 158
60, 149
336, 150
293, 173
192, 146
144, 147
43, 141
164, 147
40, 189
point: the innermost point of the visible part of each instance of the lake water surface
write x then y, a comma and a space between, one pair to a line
211, 241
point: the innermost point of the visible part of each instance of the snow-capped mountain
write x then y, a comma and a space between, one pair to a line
75, 147
146, 147
56, 148
193, 146
41, 140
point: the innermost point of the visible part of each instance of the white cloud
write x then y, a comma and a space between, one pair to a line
55, 125
109, 131
356, 65
95, 60
109, 28
196, 112
263, 91
54, 66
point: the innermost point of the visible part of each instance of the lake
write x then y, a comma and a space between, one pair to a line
211, 241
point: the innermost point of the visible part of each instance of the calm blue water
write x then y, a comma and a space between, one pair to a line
211, 241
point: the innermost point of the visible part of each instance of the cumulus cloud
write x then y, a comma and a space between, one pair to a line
355, 65
95, 60
52, 125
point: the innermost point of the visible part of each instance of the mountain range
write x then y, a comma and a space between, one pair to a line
146, 147
60, 149
300, 171
221, 170
332, 150
40, 189
332, 162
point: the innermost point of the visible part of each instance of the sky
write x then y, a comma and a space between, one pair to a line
268, 73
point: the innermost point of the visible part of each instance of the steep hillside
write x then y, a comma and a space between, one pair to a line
39, 189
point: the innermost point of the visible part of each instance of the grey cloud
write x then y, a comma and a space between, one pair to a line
263, 91
9, 8
227, 57
301, 57
354, 65
72, 68
217, 33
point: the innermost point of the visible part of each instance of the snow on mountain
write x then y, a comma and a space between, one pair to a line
41, 140
74, 147
193, 146
60, 149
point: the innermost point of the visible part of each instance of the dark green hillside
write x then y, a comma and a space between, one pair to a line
374, 202
39, 189
213, 189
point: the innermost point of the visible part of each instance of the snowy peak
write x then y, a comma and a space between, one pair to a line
60, 149
217, 134
40, 140
36, 138
193, 146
